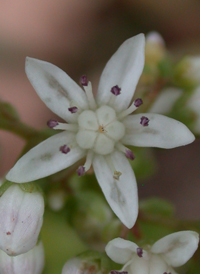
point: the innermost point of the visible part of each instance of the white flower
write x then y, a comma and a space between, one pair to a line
194, 104
171, 251
98, 128
21, 215
191, 68
31, 262
165, 100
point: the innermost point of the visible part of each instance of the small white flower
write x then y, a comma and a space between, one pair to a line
21, 215
191, 68
171, 251
31, 262
98, 128
165, 100
194, 104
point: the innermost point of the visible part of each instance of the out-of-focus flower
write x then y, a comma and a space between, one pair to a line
190, 66
194, 104
171, 251
31, 262
155, 49
155, 52
21, 215
89, 262
98, 129
56, 199
165, 100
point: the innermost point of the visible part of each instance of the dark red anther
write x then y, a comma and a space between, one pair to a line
139, 252
129, 154
84, 80
138, 102
52, 123
65, 149
81, 171
144, 121
116, 90
73, 109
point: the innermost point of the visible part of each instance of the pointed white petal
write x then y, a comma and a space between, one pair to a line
157, 265
123, 69
55, 88
177, 248
165, 100
162, 131
121, 251
45, 159
121, 194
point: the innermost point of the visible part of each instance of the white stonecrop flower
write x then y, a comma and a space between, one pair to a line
165, 100
98, 128
192, 68
21, 215
31, 262
194, 104
171, 251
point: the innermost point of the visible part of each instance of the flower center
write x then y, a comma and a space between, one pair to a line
99, 130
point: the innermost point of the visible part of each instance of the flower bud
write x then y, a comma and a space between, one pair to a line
56, 200
21, 215
31, 262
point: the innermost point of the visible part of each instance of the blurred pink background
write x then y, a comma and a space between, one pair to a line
80, 36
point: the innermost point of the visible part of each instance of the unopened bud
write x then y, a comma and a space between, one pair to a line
31, 262
21, 215
80, 266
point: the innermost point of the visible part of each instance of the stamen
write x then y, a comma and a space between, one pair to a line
118, 272
52, 123
81, 171
64, 149
73, 109
115, 90
140, 252
129, 154
64, 126
90, 96
116, 174
138, 102
102, 129
144, 121
84, 80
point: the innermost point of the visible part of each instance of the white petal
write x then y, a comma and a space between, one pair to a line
177, 248
120, 250
157, 265
123, 69
55, 88
139, 266
73, 266
45, 159
121, 194
165, 100
161, 132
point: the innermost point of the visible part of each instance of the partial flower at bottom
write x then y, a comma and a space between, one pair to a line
98, 128
31, 262
171, 251
21, 215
